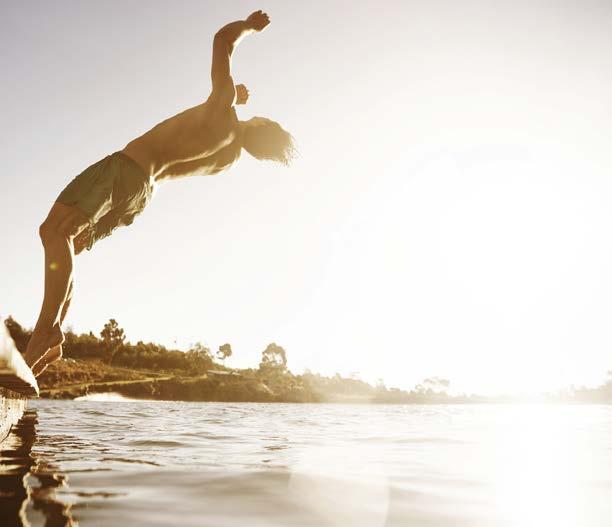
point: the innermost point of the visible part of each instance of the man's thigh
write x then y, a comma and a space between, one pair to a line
66, 219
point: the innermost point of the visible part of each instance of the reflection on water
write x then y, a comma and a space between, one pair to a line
27, 482
194, 464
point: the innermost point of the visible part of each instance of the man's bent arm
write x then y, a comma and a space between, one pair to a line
226, 39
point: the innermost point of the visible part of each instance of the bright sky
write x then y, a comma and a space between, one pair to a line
449, 214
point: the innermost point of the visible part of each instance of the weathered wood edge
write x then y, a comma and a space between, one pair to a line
15, 375
17, 382
12, 407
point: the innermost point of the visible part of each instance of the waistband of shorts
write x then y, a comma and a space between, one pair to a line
128, 160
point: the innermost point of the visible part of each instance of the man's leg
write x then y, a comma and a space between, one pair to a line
54, 353
57, 233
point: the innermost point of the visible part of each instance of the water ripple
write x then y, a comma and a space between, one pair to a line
165, 463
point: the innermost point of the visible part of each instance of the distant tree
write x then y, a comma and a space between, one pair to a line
273, 358
225, 351
437, 382
200, 349
113, 337
111, 333
199, 358
433, 385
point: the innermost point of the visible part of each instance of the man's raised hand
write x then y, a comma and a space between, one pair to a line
242, 94
258, 20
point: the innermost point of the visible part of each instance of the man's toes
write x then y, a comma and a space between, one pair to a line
50, 357
41, 343
33, 357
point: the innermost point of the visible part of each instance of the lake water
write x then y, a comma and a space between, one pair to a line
211, 464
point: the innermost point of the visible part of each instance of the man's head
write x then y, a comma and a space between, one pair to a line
266, 139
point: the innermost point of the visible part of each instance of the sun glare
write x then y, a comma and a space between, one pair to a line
541, 469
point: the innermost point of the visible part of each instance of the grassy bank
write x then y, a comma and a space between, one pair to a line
72, 378
108, 363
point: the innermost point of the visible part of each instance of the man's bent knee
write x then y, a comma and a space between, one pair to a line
62, 222
50, 233
47, 232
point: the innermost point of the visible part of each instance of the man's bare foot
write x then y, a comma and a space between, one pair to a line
41, 342
49, 358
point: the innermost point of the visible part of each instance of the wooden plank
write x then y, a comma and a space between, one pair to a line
12, 406
15, 375
17, 383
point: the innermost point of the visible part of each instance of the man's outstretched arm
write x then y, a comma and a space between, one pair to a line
226, 39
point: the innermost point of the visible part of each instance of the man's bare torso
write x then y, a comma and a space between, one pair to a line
205, 139
202, 140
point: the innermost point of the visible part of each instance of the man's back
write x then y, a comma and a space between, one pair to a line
205, 139
192, 136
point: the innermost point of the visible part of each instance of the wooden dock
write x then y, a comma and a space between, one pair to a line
17, 383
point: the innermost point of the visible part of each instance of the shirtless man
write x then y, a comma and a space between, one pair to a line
203, 140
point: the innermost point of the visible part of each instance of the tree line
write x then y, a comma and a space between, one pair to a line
110, 347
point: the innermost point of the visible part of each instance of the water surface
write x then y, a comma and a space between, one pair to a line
217, 464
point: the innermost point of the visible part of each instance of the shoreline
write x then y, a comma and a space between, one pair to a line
150, 371
232, 386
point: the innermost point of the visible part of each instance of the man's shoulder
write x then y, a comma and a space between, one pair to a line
223, 95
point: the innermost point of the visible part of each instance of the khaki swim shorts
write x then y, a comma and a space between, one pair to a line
111, 192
